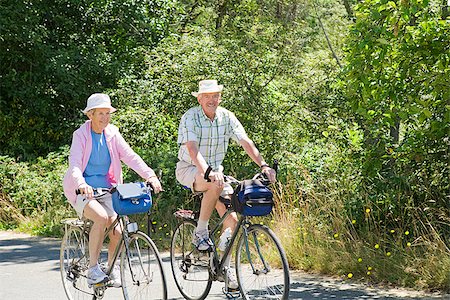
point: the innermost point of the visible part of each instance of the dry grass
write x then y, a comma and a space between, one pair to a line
319, 236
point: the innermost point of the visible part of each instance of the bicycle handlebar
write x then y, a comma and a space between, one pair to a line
99, 192
261, 176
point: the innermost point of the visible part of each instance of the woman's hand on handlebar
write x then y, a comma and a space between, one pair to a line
86, 190
155, 184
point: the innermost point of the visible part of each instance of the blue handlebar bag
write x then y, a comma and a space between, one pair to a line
132, 198
252, 198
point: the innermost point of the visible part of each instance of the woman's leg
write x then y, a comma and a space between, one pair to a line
114, 238
95, 212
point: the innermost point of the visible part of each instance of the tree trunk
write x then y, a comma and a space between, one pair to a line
221, 10
445, 12
349, 10
395, 132
326, 37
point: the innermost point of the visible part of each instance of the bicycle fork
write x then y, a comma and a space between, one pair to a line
261, 257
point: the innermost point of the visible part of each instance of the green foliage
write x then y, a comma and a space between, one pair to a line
34, 194
402, 110
363, 150
54, 54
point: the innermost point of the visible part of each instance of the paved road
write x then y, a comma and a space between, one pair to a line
29, 270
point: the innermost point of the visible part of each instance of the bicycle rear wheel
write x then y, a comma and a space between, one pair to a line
141, 270
74, 262
261, 265
190, 267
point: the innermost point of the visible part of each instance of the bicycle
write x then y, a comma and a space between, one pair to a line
141, 270
261, 265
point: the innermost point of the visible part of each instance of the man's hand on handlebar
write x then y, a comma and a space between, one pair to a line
217, 178
155, 184
270, 173
86, 190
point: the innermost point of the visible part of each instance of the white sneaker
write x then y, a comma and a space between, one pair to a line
114, 277
231, 280
201, 240
96, 275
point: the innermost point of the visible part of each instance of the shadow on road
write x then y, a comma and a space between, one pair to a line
28, 250
17, 249
315, 290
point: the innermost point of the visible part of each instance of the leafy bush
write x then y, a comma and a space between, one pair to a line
34, 191
364, 179
54, 54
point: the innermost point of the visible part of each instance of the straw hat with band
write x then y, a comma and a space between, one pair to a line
208, 86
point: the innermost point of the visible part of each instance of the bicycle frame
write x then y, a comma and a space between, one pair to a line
261, 264
122, 242
242, 222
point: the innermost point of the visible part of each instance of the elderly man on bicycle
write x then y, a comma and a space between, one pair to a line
203, 136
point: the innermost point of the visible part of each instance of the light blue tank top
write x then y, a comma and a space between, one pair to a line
99, 162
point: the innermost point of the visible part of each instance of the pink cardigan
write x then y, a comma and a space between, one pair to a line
80, 151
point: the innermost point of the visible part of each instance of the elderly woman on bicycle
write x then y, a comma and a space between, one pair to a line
95, 162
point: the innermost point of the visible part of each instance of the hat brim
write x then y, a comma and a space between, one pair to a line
111, 109
217, 90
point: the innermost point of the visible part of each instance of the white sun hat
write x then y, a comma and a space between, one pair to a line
208, 86
98, 100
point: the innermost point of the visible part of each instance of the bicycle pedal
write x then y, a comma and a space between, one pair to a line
103, 283
231, 294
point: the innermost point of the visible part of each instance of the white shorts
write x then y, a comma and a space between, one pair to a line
105, 201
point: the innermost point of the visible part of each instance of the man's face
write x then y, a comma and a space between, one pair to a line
209, 102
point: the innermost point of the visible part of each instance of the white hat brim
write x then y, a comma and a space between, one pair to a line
111, 109
217, 90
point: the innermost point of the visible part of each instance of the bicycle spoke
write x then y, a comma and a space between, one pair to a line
141, 270
74, 264
261, 265
190, 267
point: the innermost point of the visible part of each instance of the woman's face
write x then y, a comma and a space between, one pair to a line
100, 118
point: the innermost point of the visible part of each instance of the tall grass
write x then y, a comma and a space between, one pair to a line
327, 224
320, 234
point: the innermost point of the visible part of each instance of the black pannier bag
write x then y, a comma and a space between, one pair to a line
252, 198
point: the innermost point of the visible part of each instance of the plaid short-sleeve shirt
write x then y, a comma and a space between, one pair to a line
212, 136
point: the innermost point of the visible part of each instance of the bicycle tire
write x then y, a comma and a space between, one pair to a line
267, 276
141, 271
190, 267
74, 263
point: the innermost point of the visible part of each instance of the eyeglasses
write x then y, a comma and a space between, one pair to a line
215, 96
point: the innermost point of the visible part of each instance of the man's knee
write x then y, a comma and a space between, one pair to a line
213, 188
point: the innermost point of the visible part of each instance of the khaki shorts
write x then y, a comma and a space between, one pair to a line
185, 174
105, 201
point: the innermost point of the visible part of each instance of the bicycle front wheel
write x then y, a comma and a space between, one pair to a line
261, 265
74, 262
190, 267
141, 269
